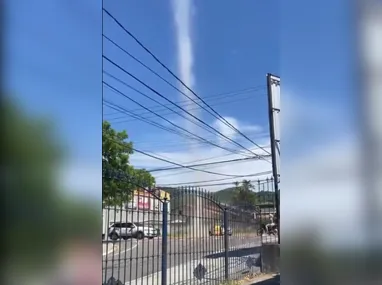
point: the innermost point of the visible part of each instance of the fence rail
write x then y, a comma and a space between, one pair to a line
190, 238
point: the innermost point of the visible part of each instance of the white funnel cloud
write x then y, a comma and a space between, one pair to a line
182, 10
183, 22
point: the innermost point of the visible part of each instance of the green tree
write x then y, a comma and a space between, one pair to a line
34, 208
30, 156
243, 195
118, 187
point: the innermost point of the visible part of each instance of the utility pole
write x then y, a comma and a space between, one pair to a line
273, 83
370, 65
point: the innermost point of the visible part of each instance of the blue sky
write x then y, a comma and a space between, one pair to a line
55, 64
229, 54
55, 67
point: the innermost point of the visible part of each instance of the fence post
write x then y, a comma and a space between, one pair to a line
164, 242
226, 245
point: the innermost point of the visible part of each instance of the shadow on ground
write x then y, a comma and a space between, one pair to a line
241, 252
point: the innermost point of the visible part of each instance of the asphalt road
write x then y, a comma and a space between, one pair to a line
134, 259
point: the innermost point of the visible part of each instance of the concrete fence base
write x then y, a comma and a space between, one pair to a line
270, 258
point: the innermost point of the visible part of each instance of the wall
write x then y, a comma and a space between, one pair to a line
112, 214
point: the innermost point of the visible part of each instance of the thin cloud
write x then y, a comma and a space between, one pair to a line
230, 132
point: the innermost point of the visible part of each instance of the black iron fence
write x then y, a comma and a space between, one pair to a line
185, 236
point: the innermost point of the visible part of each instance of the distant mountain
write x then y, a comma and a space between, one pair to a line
225, 196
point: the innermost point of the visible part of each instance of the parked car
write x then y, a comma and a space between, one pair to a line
218, 230
130, 230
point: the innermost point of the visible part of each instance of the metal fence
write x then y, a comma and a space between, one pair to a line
266, 212
184, 237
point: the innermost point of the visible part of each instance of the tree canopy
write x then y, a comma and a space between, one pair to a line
120, 179
244, 195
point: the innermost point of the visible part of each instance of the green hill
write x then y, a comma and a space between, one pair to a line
223, 196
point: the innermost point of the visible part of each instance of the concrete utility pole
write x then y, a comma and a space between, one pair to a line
273, 83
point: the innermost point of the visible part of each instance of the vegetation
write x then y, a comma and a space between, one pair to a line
40, 219
243, 195
118, 189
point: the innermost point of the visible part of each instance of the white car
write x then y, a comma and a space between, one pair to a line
130, 230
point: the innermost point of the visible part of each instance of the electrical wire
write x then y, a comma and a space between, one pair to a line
194, 142
197, 160
177, 172
183, 166
175, 125
146, 120
205, 164
162, 96
155, 124
156, 101
217, 96
214, 180
217, 115
178, 164
175, 76
114, 120
261, 182
177, 145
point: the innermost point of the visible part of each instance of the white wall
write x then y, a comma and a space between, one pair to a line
112, 214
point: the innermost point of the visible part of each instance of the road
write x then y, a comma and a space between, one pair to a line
134, 259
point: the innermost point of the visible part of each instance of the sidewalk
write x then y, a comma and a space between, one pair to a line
211, 269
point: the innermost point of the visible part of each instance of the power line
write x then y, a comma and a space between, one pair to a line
177, 172
115, 107
163, 118
188, 88
205, 164
178, 164
222, 179
120, 109
122, 176
169, 113
262, 182
218, 96
184, 166
217, 116
193, 161
194, 141
162, 96
146, 120
156, 101
176, 143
